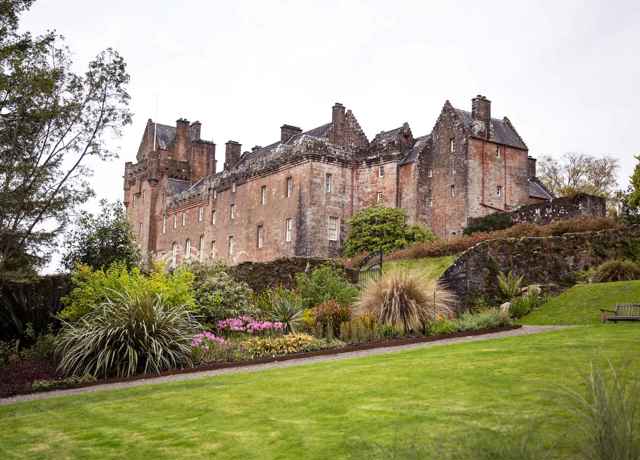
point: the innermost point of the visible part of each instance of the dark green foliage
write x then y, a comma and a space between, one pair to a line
100, 240
323, 284
382, 229
617, 270
490, 223
282, 305
129, 333
218, 295
52, 122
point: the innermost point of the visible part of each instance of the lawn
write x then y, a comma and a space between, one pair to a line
429, 267
327, 410
581, 304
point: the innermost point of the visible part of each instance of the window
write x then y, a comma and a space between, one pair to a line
263, 195
201, 248
232, 211
213, 217
289, 189
430, 202
381, 171
497, 151
164, 224
499, 190
288, 230
328, 183
452, 145
175, 221
429, 172
184, 219
215, 194
200, 214
233, 188
187, 249
213, 249
133, 200
332, 228
260, 236
379, 197
453, 190
144, 194
174, 254
231, 245
140, 228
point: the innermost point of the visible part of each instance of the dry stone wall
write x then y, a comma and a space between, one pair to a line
550, 260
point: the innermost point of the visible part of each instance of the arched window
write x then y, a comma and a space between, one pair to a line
187, 249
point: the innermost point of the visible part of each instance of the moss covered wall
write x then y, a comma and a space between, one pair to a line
550, 260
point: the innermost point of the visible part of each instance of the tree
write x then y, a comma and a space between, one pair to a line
382, 229
631, 200
100, 240
579, 173
51, 122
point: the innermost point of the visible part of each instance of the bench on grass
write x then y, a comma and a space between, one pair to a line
623, 312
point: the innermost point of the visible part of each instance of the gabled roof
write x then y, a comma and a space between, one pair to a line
538, 190
502, 131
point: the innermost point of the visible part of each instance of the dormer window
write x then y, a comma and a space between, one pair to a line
452, 145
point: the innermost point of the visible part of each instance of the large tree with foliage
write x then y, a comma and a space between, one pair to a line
382, 229
579, 173
99, 240
52, 121
631, 200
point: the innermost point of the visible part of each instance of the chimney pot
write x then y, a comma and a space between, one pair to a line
288, 131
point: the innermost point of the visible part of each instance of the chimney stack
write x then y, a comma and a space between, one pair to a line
288, 131
231, 154
338, 124
481, 113
182, 138
532, 166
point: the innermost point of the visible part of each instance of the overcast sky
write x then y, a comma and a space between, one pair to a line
564, 72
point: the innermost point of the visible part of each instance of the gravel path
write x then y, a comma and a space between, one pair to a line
525, 330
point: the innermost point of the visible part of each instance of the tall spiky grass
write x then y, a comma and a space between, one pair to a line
405, 299
128, 334
609, 413
510, 285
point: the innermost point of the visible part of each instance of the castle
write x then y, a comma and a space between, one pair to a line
294, 197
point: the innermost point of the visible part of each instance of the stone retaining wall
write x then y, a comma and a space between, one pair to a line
541, 260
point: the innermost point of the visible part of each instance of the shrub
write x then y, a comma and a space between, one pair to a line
94, 287
525, 304
382, 229
509, 285
459, 244
488, 319
443, 327
329, 316
323, 284
360, 330
281, 305
127, 334
609, 414
490, 223
406, 300
258, 347
218, 295
57, 384
616, 270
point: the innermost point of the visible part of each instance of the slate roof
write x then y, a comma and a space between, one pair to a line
165, 135
418, 146
502, 131
538, 190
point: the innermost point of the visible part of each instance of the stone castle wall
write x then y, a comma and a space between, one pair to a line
541, 260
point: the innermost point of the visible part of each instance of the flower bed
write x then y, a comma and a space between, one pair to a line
6, 391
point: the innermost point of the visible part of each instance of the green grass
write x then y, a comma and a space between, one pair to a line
429, 267
581, 304
319, 411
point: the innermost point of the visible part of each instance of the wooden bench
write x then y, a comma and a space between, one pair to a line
623, 312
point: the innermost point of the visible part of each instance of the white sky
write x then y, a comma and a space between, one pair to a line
562, 71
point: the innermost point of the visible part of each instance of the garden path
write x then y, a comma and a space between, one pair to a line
524, 330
